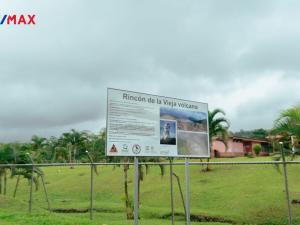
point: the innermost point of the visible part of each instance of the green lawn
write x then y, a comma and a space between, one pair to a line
244, 194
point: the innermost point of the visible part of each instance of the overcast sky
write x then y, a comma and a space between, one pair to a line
241, 56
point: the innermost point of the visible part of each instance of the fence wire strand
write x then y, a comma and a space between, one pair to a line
150, 163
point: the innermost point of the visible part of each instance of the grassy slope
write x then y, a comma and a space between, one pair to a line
245, 194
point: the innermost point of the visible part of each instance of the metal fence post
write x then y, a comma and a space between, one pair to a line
31, 184
136, 191
187, 183
172, 192
91, 186
30, 195
92, 192
286, 185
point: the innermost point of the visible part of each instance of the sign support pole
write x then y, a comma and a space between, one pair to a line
187, 183
172, 192
136, 191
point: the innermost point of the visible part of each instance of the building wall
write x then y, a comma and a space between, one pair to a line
235, 146
234, 149
232, 146
219, 146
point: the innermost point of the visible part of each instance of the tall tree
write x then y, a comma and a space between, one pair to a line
75, 142
39, 148
288, 122
218, 127
287, 130
6, 156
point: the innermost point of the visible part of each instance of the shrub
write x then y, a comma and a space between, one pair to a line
257, 148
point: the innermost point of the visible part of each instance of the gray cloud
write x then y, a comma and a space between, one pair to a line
241, 56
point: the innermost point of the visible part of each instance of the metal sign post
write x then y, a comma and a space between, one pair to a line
187, 183
136, 191
286, 185
172, 192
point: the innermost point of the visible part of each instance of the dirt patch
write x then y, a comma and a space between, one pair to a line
200, 218
296, 201
103, 210
194, 218
72, 210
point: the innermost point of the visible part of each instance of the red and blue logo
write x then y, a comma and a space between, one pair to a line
17, 19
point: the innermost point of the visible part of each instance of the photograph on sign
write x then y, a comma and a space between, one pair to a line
140, 124
168, 132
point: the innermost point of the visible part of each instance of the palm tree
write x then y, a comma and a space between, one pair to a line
16, 153
287, 127
95, 144
74, 141
6, 156
218, 127
288, 122
39, 148
38, 143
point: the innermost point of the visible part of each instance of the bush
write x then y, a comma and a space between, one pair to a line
257, 149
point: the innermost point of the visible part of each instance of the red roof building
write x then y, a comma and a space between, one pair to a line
237, 146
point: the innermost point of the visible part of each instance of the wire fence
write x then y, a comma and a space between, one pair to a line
149, 163
92, 166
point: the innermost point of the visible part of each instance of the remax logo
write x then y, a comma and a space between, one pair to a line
17, 20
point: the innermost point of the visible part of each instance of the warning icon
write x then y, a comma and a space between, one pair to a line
113, 149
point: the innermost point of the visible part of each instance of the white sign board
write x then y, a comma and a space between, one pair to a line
140, 124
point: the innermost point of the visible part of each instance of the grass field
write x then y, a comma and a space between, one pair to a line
243, 194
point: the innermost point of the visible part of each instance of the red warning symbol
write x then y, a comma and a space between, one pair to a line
113, 149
